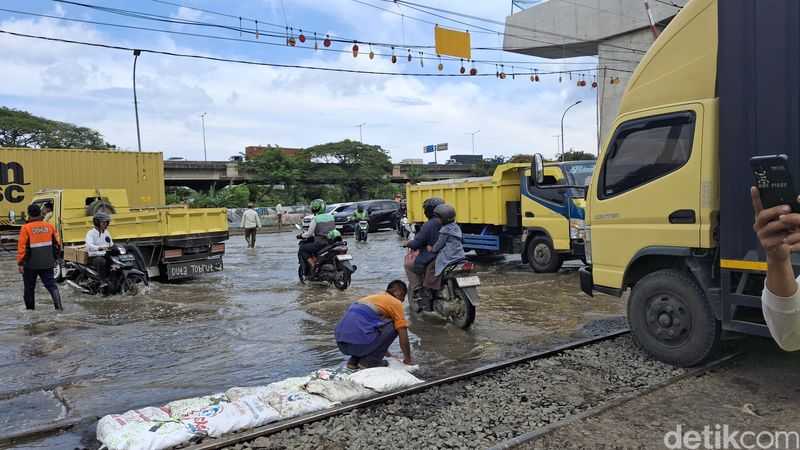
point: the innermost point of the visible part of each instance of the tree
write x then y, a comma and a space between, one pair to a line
356, 167
23, 129
578, 155
521, 159
274, 167
486, 167
416, 175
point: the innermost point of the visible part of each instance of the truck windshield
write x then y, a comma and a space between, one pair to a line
579, 175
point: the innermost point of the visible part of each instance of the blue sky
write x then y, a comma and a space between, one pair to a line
291, 107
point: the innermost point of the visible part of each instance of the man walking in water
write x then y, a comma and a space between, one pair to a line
37, 254
251, 223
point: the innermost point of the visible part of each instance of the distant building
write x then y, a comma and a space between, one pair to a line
467, 159
255, 150
412, 161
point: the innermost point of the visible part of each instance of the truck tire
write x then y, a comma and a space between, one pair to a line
542, 257
100, 206
671, 319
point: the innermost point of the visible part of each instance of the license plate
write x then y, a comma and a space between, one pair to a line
339, 227
344, 257
193, 268
468, 281
126, 257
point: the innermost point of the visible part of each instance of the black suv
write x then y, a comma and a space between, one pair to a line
380, 214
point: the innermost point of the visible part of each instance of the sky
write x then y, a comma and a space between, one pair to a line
270, 104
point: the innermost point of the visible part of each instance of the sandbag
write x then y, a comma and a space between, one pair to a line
179, 408
216, 420
340, 373
395, 363
238, 392
297, 403
338, 390
384, 379
142, 429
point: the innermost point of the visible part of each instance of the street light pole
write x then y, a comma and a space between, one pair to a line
136, 54
203, 120
558, 137
473, 139
360, 135
562, 128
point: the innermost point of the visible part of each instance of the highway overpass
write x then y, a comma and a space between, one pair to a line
201, 175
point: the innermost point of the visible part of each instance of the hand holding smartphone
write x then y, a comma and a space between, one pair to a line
774, 181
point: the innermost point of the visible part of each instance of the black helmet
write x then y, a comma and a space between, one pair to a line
100, 217
360, 207
430, 204
445, 212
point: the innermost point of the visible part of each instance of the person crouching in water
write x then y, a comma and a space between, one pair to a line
449, 248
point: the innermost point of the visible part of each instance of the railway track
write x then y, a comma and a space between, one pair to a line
485, 407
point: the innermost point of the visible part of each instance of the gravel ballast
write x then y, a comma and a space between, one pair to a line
485, 410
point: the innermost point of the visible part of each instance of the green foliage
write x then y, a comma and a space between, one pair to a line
353, 166
178, 195
23, 129
274, 167
578, 155
520, 158
227, 197
416, 175
486, 167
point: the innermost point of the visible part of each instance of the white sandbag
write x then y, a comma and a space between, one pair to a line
297, 403
340, 373
384, 379
292, 384
395, 363
338, 390
142, 429
236, 393
216, 420
179, 408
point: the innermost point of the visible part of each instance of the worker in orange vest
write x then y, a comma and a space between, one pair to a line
38, 249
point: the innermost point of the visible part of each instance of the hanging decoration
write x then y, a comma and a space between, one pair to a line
473, 70
421, 60
594, 81
316, 42
371, 53
532, 78
536, 75
559, 78
502, 72
355, 49
256, 29
462, 69
513, 75
440, 66
394, 57
409, 55
327, 41
291, 40
240, 26
302, 37
496, 71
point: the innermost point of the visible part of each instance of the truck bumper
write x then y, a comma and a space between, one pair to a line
577, 248
585, 275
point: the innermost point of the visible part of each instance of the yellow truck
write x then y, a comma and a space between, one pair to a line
173, 241
668, 210
506, 213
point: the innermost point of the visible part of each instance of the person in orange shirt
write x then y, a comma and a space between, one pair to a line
38, 248
371, 324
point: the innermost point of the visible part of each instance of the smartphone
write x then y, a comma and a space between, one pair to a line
774, 181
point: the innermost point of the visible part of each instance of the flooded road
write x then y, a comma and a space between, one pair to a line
249, 325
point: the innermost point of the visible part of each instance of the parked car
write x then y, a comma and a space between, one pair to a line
380, 214
332, 208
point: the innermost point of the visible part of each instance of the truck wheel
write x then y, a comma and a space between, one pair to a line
542, 257
100, 206
671, 318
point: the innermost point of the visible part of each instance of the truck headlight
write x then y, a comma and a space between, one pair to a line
576, 229
587, 244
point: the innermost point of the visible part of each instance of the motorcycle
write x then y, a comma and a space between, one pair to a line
361, 228
124, 274
404, 228
332, 264
459, 295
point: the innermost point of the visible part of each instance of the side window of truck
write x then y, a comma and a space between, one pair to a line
646, 149
551, 195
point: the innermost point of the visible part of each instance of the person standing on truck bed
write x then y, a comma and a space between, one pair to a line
421, 277
251, 223
38, 248
98, 241
777, 232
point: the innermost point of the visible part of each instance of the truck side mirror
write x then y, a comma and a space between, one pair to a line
537, 169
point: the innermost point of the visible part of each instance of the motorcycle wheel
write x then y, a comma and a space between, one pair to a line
133, 284
342, 283
466, 315
365, 237
301, 273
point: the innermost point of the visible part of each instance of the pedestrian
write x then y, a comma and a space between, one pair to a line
251, 223
38, 249
280, 211
48, 212
371, 324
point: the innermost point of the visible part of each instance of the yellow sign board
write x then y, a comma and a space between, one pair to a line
452, 43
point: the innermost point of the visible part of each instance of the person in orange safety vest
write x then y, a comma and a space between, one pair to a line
38, 249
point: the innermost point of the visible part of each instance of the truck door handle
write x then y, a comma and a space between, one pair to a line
682, 216
528, 214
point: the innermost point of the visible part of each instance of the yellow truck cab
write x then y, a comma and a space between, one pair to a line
506, 213
668, 210
173, 241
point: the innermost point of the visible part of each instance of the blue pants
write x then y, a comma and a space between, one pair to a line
373, 352
29, 279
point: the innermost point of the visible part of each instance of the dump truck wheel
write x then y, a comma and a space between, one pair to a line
671, 319
100, 206
542, 257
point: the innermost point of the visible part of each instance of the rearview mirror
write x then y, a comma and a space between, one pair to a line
298, 227
537, 169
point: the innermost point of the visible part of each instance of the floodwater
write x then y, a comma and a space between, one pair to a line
249, 325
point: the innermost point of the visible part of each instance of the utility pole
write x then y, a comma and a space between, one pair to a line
473, 139
203, 120
360, 136
136, 54
558, 137
562, 128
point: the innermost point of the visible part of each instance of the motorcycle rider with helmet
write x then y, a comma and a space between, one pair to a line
421, 277
98, 242
359, 215
449, 248
321, 224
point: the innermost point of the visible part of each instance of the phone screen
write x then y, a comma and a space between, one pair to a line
774, 181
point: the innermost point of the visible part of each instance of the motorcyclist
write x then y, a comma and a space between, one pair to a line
359, 215
98, 242
421, 277
449, 248
318, 228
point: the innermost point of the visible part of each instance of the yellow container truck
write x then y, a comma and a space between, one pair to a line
505, 213
669, 213
172, 241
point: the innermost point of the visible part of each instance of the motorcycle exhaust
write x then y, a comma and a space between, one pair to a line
78, 287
